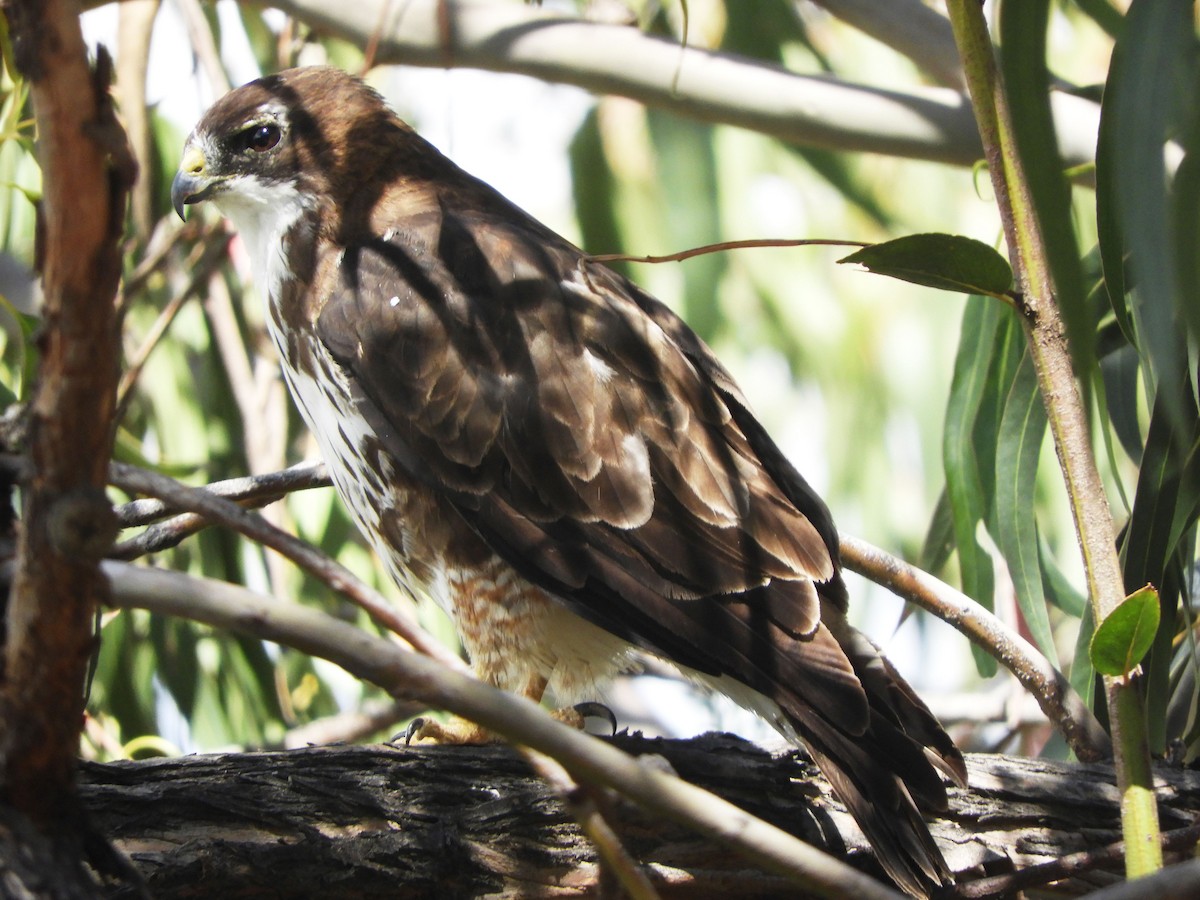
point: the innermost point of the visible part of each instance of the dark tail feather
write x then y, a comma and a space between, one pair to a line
885, 810
889, 773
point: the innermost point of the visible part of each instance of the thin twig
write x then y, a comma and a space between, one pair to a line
351, 726
1112, 857
199, 263
303, 554
160, 537
584, 808
1050, 688
252, 490
750, 244
200, 38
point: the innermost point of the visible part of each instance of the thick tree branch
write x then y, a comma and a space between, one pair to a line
437, 822
922, 123
408, 675
67, 522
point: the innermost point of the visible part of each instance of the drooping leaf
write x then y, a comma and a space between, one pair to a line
1150, 69
593, 184
939, 537
1167, 482
967, 498
1119, 374
1104, 14
1126, 634
1022, 428
948, 262
1083, 676
1059, 589
693, 214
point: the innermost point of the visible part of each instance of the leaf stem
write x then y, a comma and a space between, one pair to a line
1064, 408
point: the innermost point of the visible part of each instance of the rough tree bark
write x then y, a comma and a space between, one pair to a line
67, 523
451, 822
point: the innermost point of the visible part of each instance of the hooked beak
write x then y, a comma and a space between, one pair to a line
192, 182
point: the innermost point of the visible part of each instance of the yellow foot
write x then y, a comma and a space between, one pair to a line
461, 731
576, 715
453, 731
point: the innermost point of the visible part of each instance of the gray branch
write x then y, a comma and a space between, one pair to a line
919, 122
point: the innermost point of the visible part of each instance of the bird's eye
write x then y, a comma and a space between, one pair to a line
261, 138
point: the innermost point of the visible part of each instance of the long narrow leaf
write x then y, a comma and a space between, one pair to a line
964, 487
1022, 428
1148, 63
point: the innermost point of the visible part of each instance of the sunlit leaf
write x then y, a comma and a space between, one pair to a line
1126, 634
948, 262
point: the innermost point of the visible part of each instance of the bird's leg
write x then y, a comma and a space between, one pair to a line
461, 731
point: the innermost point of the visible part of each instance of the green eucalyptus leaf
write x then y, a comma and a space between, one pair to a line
949, 262
1126, 634
1022, 428
967, 496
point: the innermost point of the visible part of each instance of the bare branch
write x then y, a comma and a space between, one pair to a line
303, 554
253, 490
922, 123
1053, 692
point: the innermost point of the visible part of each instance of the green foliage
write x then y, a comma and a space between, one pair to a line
947, 262
1125, 635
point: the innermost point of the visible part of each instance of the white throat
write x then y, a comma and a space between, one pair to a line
263, 215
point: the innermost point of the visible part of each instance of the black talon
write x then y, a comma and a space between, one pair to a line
591, 709
411, 731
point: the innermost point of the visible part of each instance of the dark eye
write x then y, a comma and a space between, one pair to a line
261, 138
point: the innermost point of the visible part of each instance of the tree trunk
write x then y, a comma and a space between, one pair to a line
450, 822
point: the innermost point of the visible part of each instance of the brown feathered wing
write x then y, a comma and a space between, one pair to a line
592, 440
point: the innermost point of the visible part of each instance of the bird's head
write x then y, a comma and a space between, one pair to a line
280, 140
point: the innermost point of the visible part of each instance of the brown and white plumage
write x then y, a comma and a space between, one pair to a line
546, 449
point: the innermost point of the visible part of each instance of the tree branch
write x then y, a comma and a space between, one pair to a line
407, 675
303, 554
922, 123
67, 522
1053, 692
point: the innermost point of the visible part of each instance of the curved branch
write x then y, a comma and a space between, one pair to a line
922, 123
409, 675
1050, 688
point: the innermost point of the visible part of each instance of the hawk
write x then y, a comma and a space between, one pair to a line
548, 451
